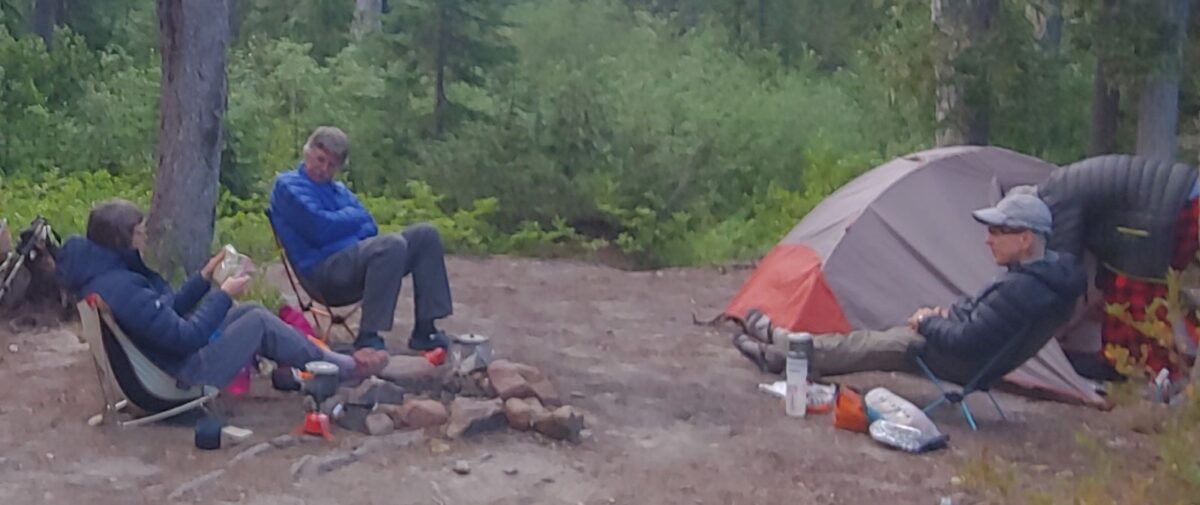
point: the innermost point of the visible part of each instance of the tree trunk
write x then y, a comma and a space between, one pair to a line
1158, 108
762, 23
47, 15
193, 37
961, 106
1047, 19
441, 103
1106, 103
368, 18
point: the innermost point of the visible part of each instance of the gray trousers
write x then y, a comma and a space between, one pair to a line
890, 350
373, 271
249, 329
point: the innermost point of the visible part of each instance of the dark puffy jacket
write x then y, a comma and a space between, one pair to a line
977, 328
1121, 208
166, 326
315, 220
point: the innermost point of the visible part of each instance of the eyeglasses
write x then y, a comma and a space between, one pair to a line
1004, 230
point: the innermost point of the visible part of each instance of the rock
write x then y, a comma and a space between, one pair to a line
374, 391
353, 417
415, 374
13, 348
311, 466
403, 439
578, 395
328, 406
194, 485
470, 417
302, 466
508, 380
250, 452
461, 467
473, 385
511, 471
563, 424
419, 414
393, 440
546, 392
520, 412
379, 423
283, 441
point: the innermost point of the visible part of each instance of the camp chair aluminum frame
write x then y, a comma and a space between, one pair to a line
973, 386
314, 308
98, 323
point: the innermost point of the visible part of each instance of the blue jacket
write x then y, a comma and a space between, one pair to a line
977, 328
166, 326
315, 220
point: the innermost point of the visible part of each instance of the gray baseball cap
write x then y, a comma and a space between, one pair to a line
1018, 210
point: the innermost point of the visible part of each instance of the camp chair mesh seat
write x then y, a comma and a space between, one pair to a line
1014, 354
314, 307
127, 376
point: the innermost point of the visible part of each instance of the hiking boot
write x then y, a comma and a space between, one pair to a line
369, 340
767, 358
284, 378
758, 326
433, 341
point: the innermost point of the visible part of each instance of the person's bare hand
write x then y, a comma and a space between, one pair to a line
211, 266
943, 312
921, 313
235, 286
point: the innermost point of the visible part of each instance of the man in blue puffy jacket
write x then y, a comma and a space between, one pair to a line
337, 251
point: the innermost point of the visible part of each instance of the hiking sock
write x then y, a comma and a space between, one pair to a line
344, 363
369, 339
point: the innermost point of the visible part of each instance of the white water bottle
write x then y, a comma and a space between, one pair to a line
799, 347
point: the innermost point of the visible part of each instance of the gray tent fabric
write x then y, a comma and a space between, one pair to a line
901, 236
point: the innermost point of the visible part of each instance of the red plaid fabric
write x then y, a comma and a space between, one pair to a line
1139, 295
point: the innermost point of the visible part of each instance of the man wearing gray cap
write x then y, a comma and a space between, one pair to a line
1037, 286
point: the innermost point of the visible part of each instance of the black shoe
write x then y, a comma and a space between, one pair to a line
429, 343
369, 340
283, 378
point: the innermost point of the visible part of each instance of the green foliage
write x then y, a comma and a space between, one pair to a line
66, 200
681, 131
1168, 475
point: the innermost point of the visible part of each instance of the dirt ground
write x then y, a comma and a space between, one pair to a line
674, 412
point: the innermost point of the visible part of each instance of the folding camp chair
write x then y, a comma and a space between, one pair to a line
314, 307
1014, 354
128, 377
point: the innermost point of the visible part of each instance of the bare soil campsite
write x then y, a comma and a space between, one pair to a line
673, 415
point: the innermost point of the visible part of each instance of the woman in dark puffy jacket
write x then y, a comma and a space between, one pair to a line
197, 334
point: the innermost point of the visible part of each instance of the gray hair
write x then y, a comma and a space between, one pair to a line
331, 139
111, 223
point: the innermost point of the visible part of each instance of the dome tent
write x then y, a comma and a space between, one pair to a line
897, 238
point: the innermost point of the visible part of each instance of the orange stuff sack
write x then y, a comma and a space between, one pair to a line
849, 412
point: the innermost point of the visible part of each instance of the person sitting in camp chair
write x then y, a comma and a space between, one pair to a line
198, 335
1039, 285
339, 256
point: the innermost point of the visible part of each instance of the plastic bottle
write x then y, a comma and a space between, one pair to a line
799, 348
